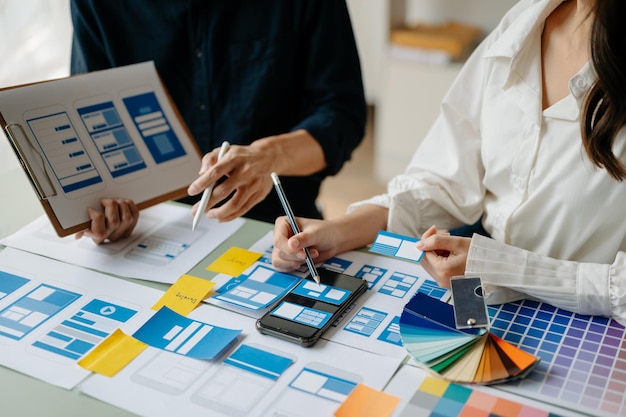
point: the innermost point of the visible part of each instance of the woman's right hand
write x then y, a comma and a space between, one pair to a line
319, 236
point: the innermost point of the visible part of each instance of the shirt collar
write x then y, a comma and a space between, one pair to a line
512, 39
570, 107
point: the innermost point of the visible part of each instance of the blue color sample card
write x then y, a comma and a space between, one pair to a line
170, 331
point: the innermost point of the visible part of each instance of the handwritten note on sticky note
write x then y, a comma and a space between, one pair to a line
185, 294
234, 261
364, 401
112, 354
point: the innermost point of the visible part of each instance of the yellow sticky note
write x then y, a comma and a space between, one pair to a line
364, 401
234, 261
112, 354
185, 294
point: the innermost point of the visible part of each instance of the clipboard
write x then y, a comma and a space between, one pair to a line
113, 133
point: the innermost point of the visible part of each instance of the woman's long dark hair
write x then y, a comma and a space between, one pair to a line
605, 107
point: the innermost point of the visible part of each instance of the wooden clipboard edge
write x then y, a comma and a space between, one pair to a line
44, 203
172, 195
61, 232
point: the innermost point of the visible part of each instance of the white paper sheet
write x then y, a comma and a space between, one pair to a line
160, 383
52, 313
373, 323
162, 247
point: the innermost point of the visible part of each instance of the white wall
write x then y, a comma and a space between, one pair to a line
35, 41
407, 94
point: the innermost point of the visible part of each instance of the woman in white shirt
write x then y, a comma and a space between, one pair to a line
530, 140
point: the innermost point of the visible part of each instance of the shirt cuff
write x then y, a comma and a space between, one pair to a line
509, 273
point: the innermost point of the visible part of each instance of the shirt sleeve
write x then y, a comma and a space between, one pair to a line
335, 111
442, 184
87, 49
509, 273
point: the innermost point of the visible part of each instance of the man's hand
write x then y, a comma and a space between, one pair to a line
116, 221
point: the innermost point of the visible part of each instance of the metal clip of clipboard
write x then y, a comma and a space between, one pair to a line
30, 172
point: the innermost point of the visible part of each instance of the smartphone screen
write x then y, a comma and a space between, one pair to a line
304, 313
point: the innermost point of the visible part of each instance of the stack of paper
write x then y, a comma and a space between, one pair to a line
429, 334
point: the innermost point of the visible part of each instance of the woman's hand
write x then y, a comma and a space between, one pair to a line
318, 235
116, 221
444, 255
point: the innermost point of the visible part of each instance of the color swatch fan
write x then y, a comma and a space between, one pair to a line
472, 355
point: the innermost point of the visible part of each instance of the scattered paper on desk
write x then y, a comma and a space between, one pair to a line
173, 332
112, 354
161, 248
54, 313
365, 401
185, 294
234, 261
397, 246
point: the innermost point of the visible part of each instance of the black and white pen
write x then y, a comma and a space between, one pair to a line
294, 224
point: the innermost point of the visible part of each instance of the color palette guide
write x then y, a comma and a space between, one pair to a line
583, 358
472, 355
424, 395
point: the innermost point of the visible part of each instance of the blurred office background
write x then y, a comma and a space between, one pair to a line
403, 89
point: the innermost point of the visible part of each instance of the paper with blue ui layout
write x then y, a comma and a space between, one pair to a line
170, 331
111, 133
52, 314
397, 246
258, 287
162, 247
259, 377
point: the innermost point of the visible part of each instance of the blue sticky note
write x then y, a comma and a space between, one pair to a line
170, 331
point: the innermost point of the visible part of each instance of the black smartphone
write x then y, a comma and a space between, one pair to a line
309, 309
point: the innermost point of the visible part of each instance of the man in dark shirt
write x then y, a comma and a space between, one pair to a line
279, 79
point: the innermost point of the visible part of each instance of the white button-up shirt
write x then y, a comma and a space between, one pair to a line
556, 220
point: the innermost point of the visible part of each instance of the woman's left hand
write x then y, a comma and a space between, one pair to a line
444, 255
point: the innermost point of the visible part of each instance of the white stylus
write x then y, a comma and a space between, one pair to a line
206, 195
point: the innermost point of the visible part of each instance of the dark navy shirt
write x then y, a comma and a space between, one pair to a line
240, 70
